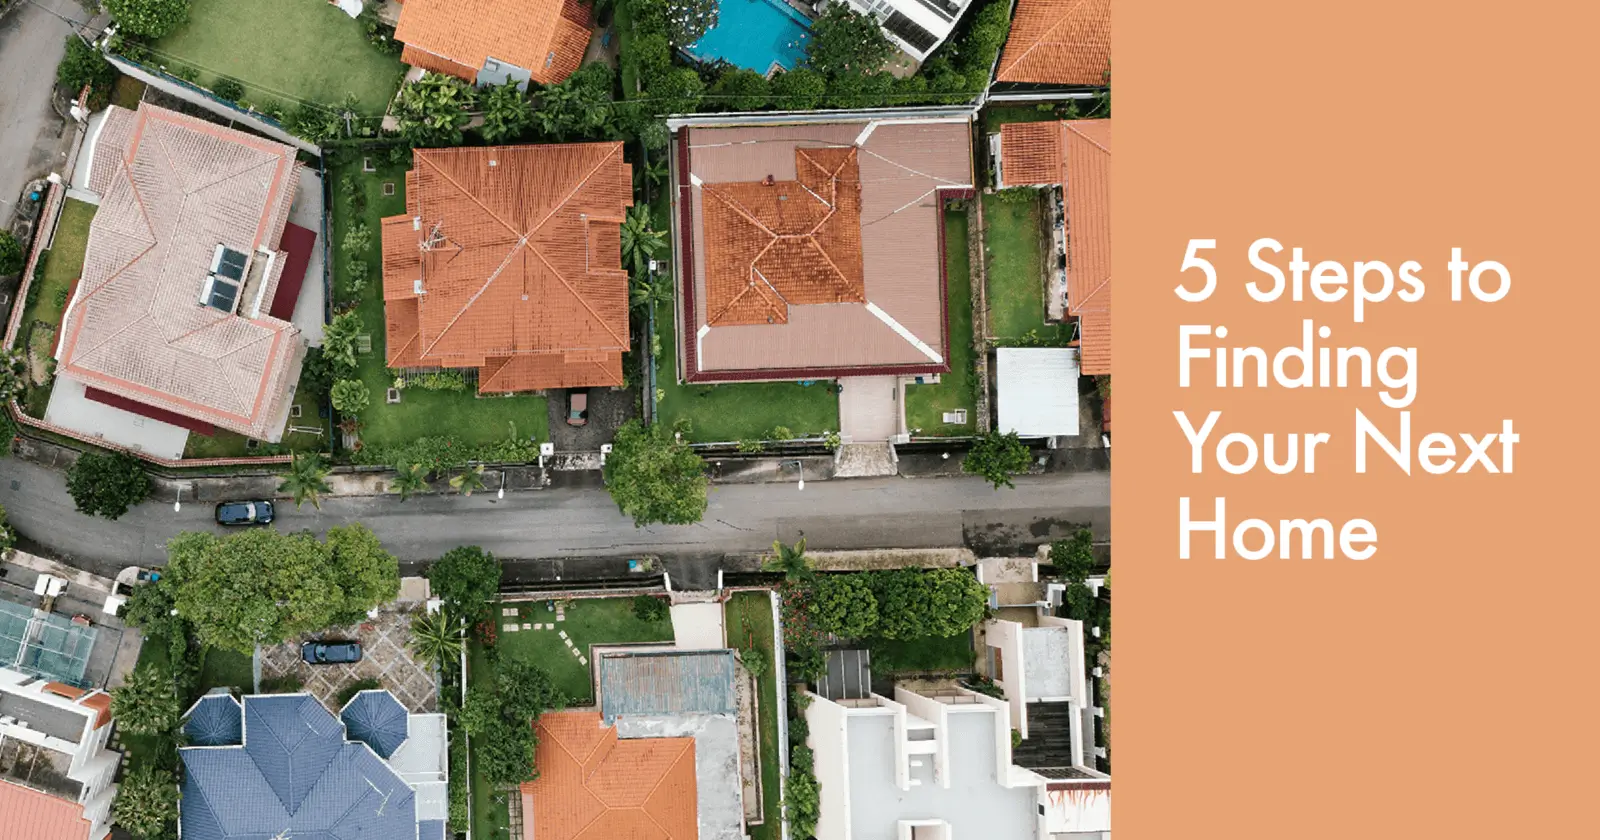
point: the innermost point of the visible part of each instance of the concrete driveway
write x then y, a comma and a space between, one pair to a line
32, 40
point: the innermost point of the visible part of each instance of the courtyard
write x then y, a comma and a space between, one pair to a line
318, 53
385, 658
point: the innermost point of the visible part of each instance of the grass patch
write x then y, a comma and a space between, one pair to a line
996, 116
47, 297
931, 653
127, 92
318, 53
420, 413
738, 411
226, 444
926, 404
589, 621
226, 668
1015, 268
748, 617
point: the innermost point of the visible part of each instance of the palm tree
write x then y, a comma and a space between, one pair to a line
639, 241
469, 480
645, 292
791, 560
306, 480
507, 113
408, 479
438, 637
651, 172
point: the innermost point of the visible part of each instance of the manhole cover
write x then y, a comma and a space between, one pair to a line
16, 485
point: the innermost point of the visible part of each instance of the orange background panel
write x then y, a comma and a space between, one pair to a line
1443, 688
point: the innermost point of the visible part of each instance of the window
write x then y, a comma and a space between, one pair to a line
222, 283
907, 30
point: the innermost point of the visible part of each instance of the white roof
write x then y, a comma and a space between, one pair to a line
1077, 810
1038, 390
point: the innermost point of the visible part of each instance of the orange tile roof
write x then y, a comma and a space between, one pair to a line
594, 786
1061, 42
29, 813
785, 242
545, 37
1077, 155
510, 261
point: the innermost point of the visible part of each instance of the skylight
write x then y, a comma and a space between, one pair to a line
221, 290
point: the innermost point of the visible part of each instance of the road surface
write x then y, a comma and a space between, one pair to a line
583, 522
32, 40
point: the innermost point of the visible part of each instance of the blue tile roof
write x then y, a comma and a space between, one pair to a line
215, 721
294, 776
378, 719
430, 830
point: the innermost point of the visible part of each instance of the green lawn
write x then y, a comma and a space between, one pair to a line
226, 668
996, 116
589, 621
226, 444
932, 653
738, 411
926, 404
284, 51
63, 264
748, 617
420, 413
1016, 272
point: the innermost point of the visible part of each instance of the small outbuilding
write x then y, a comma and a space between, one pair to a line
1038, 390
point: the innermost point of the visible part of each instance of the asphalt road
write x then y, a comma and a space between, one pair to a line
32, 41
579, 523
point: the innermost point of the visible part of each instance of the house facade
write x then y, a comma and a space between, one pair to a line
182, 312
492, 42
917, 27
56, 771
508, 261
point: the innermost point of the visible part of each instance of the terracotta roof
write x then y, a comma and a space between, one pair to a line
785, 242
595, 786
1060, 42
29, 813
173, 188
813, 251
1077, 155
510, 261
545, 37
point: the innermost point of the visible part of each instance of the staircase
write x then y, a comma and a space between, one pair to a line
1048, 747
864, 460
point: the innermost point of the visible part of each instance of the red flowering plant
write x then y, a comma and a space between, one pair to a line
486, 634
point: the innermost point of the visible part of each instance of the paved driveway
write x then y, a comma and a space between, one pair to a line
32, 40
384, 657
608, 410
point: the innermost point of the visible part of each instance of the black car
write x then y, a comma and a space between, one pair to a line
330, 652
259, 512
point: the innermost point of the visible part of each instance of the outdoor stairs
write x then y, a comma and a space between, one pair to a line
1049, 741
864, 460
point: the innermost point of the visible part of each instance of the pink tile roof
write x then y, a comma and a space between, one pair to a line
172, 190
25, 812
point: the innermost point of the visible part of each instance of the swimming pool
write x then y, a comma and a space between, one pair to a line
755, 34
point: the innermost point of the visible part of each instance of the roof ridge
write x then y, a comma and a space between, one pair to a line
493, 275
557, 207
1071, 125
1050, 30
428, 159
576, 294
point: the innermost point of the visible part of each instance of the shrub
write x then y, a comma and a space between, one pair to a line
650, 608
350, 396
997, 457
755, 661
800, 89
286, 684
350, 691
83, 65
914, 603
150, 18
228, 89
107, 484
357, 239
11, 256
8, 534
843, 604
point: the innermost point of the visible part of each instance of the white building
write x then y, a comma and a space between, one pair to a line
55, 769
917, 27
941, 767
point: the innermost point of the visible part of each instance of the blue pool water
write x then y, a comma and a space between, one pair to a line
755, 34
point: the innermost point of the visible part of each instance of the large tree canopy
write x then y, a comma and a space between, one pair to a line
467, 579
914, 603
845, 40
107, 484
654, 477
263, 586
150, 18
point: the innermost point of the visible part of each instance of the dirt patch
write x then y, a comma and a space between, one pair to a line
41, 352
749, 744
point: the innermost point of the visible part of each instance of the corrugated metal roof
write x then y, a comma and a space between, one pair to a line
377, 719
1062, 42
670, 682
1038, 390
216, 720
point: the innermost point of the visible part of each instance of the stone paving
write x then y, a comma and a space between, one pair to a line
513, 626
384, 657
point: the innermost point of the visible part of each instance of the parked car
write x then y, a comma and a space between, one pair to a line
329, 652
577, 407
258, 512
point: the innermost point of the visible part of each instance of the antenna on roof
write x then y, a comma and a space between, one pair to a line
435, 237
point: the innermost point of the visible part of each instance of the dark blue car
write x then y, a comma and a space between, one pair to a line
245, 513
330, 653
